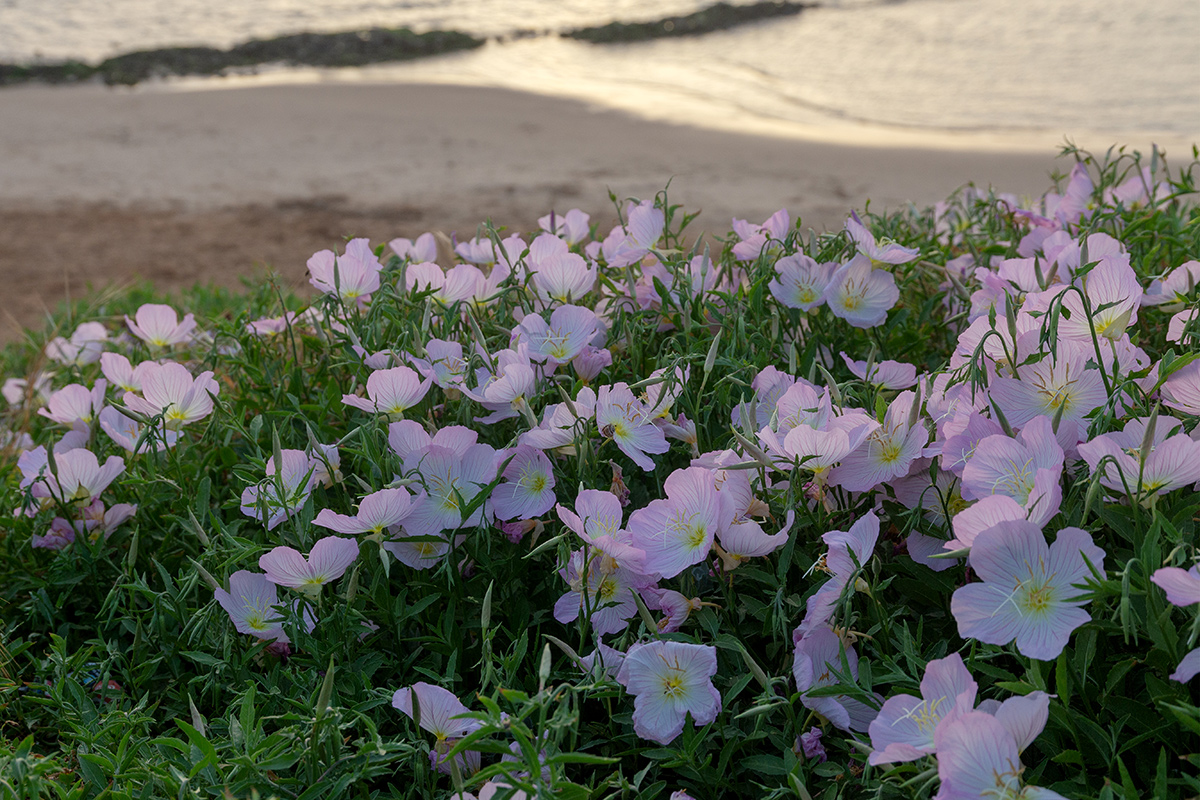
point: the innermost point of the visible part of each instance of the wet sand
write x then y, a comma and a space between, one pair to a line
104, 186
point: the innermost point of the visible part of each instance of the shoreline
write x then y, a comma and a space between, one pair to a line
184, 187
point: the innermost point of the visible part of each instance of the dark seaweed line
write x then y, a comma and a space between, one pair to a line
348, 49
714, 18
359, 48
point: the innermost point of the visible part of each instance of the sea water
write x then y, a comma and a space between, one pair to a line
1127, 71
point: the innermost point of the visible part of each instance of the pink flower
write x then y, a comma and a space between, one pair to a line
506, 391
643, 229
274, 499
848, 552
597, 520
75, 403
1172, 461
571, 227
127, 432
1028, 589
439, 712
159, 326
273, 326
800, 282
888, 451
622, 417
1027, 469
860, 294
326, 562
443, 363
887, 253
1181, 390
1183, 589
600, 589
558, 274
678, 532
377, 512
423, 249
757, 239
81, 477
978, 758
884, 374
352, 276
451, 481
84, 347
170, 390
390, 391
570, 330
670, 680
527, 490
818, 653
906, 725
484, 251
122, 374
252, 605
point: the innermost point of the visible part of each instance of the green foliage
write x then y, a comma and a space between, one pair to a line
121, 676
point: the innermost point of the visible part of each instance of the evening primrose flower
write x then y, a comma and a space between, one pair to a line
439, 712
80, 476
678, 532
818, 652
391, 391
904, 729
570, 330
571, 227
352, 276
1059, 385
159, 326
597, 520
755, 239
266, 503
527, 490
377, 512
326, 562
170, 390
126, 432
643, 228
75, 403
121, 373
670, 680
443, 363
1172, 461
423, 249
978, 759
1027, 593
1027, 469
1114, 294
885, 253
1181, 390
252, 605
800, 281
861, 294
888, 451
599, 588
451, 481
884, 374
557, 274
1183, 589
848, 552
84, 347
623, 418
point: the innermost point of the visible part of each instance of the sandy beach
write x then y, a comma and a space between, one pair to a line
102, 186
